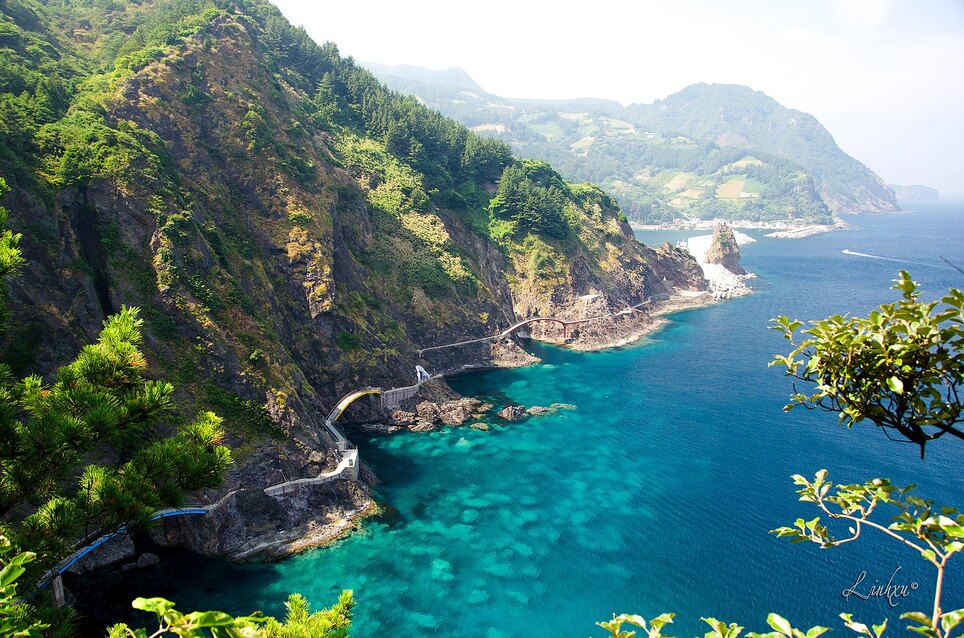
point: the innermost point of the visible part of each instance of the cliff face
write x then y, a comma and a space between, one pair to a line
291, 230
724, 250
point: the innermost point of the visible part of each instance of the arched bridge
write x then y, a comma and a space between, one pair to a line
565, 323
347, 400
347, 468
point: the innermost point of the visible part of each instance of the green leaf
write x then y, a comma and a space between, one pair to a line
780, 623
210, 619
895, 384
159, 606
10, 573
951, 619
660, 621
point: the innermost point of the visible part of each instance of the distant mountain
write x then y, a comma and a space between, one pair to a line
407, 74
707, 151
915, 193
733, 115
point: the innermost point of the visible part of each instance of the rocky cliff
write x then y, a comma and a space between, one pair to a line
291, 230
724, 250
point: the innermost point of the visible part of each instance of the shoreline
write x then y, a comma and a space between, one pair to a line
657, 319
782, 229
318, 535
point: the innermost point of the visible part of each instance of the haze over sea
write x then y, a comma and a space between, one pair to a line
655, 494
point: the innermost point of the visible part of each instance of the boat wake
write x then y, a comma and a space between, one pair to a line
854, 253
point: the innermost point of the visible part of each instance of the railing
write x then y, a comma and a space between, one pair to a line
565, 323
347, 468
391, 399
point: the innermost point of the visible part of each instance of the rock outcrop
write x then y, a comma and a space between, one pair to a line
429, 415
724, 250
513, 413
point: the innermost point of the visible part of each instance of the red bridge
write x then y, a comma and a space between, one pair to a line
525, 322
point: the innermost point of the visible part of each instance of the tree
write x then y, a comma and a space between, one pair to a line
100, 403
20, 620
531, 195
936, 533
900, 368
99, 406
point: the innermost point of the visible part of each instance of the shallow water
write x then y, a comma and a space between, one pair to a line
654, 494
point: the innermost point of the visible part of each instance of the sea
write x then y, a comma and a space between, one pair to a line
656, 491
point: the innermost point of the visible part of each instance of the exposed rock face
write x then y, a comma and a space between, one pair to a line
915, 193
513, 413
250, 523
429, 415
274, 279
724, 250
116, 549
378, 428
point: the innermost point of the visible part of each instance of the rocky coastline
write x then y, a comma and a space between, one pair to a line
782, 229
254, 526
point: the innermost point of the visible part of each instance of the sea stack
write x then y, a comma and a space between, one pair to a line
724, 250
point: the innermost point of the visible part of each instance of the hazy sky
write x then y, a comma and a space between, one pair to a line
885, 77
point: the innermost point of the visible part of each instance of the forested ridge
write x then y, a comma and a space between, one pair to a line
707, 151
273, 228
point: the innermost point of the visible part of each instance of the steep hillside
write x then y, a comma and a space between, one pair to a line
707, 151
290, 229
915, 193
734, 115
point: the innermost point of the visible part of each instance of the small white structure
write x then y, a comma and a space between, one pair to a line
421, 374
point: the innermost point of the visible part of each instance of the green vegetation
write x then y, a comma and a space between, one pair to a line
666, 160
741, 117
900, 368
10, 258
100, 406
19, 619
100, 401
531, 197
936, 533
299, 622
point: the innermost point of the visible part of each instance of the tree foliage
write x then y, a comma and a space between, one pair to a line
99, 406
299, 622
10, 258
531, 196
936, 533
900, 368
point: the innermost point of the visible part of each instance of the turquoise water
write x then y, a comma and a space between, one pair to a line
655, 494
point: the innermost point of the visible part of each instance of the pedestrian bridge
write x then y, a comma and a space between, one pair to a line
348, 465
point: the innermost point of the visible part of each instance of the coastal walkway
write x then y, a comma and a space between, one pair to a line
565, 323
347, 468
348, 465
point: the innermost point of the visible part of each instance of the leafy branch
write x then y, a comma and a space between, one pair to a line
781, 627
901, 367
936, 533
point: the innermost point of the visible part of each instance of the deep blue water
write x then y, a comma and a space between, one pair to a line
655, 494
